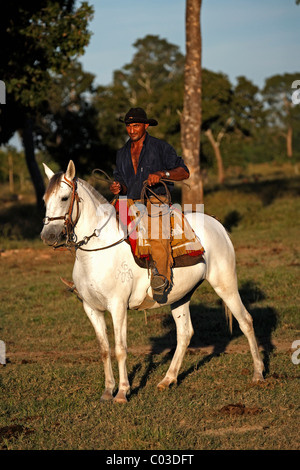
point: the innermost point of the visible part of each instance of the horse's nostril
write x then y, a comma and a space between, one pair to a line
48, 238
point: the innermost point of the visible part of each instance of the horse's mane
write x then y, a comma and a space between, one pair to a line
101, 199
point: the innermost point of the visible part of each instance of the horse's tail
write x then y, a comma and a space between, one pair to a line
228, 315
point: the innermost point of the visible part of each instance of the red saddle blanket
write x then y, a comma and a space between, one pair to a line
183, 239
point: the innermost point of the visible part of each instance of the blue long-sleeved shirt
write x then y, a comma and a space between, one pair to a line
156, 155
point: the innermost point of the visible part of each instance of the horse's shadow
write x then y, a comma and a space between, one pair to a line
211, 331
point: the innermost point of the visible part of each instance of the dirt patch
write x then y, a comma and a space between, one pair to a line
45, 256
239, 409
231, 430
13, 431
242, 348
93, 354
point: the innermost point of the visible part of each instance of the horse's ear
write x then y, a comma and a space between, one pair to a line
70, 173
49, 173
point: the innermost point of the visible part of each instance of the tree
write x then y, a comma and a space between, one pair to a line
41, 39
191, 115
216, 113
247, 107
152, 80
283, 113
155, 63
13, 168
66, 126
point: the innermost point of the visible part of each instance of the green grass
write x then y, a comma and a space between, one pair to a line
58, 407
51, 385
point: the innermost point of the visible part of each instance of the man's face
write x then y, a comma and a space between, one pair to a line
136, 130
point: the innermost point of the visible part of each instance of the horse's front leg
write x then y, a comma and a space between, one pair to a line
98, 321
119, 317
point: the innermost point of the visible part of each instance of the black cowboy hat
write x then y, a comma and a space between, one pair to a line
138, 115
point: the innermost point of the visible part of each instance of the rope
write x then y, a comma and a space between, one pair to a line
147, 188
108, 178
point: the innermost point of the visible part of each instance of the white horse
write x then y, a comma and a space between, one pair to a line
107, 277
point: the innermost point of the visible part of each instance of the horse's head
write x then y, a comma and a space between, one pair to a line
59, 200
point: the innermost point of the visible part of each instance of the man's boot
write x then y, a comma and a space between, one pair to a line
159, 285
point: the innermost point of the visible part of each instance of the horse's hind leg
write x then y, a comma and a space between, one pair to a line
184, 329
230, 295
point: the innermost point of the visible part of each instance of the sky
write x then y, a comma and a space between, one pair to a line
254, 38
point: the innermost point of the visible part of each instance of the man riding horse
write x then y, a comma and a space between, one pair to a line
146, 158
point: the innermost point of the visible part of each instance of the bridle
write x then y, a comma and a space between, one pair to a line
67, 217
70, 224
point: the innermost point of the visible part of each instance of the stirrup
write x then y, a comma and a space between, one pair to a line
159, 282
159, 285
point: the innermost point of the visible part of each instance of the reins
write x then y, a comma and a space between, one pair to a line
144, 197
70, 224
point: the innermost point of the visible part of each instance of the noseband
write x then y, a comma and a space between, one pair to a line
69, 223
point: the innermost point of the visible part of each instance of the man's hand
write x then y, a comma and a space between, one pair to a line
115, 187
154, 178
176, 174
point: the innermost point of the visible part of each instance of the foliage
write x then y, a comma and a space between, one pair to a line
66, 125
153, 80
155, 63
11, 160
237, 115
41, 40
217, 97
283, 114
248, 111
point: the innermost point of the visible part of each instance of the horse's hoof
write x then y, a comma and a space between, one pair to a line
120, 398
161, 387
165, 384
106, 396
257, 378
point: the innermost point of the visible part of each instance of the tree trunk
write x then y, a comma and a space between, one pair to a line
11, 173
216, 148
191, 115
34, 171
289, 145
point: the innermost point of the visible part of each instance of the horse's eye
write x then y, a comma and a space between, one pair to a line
65, 198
